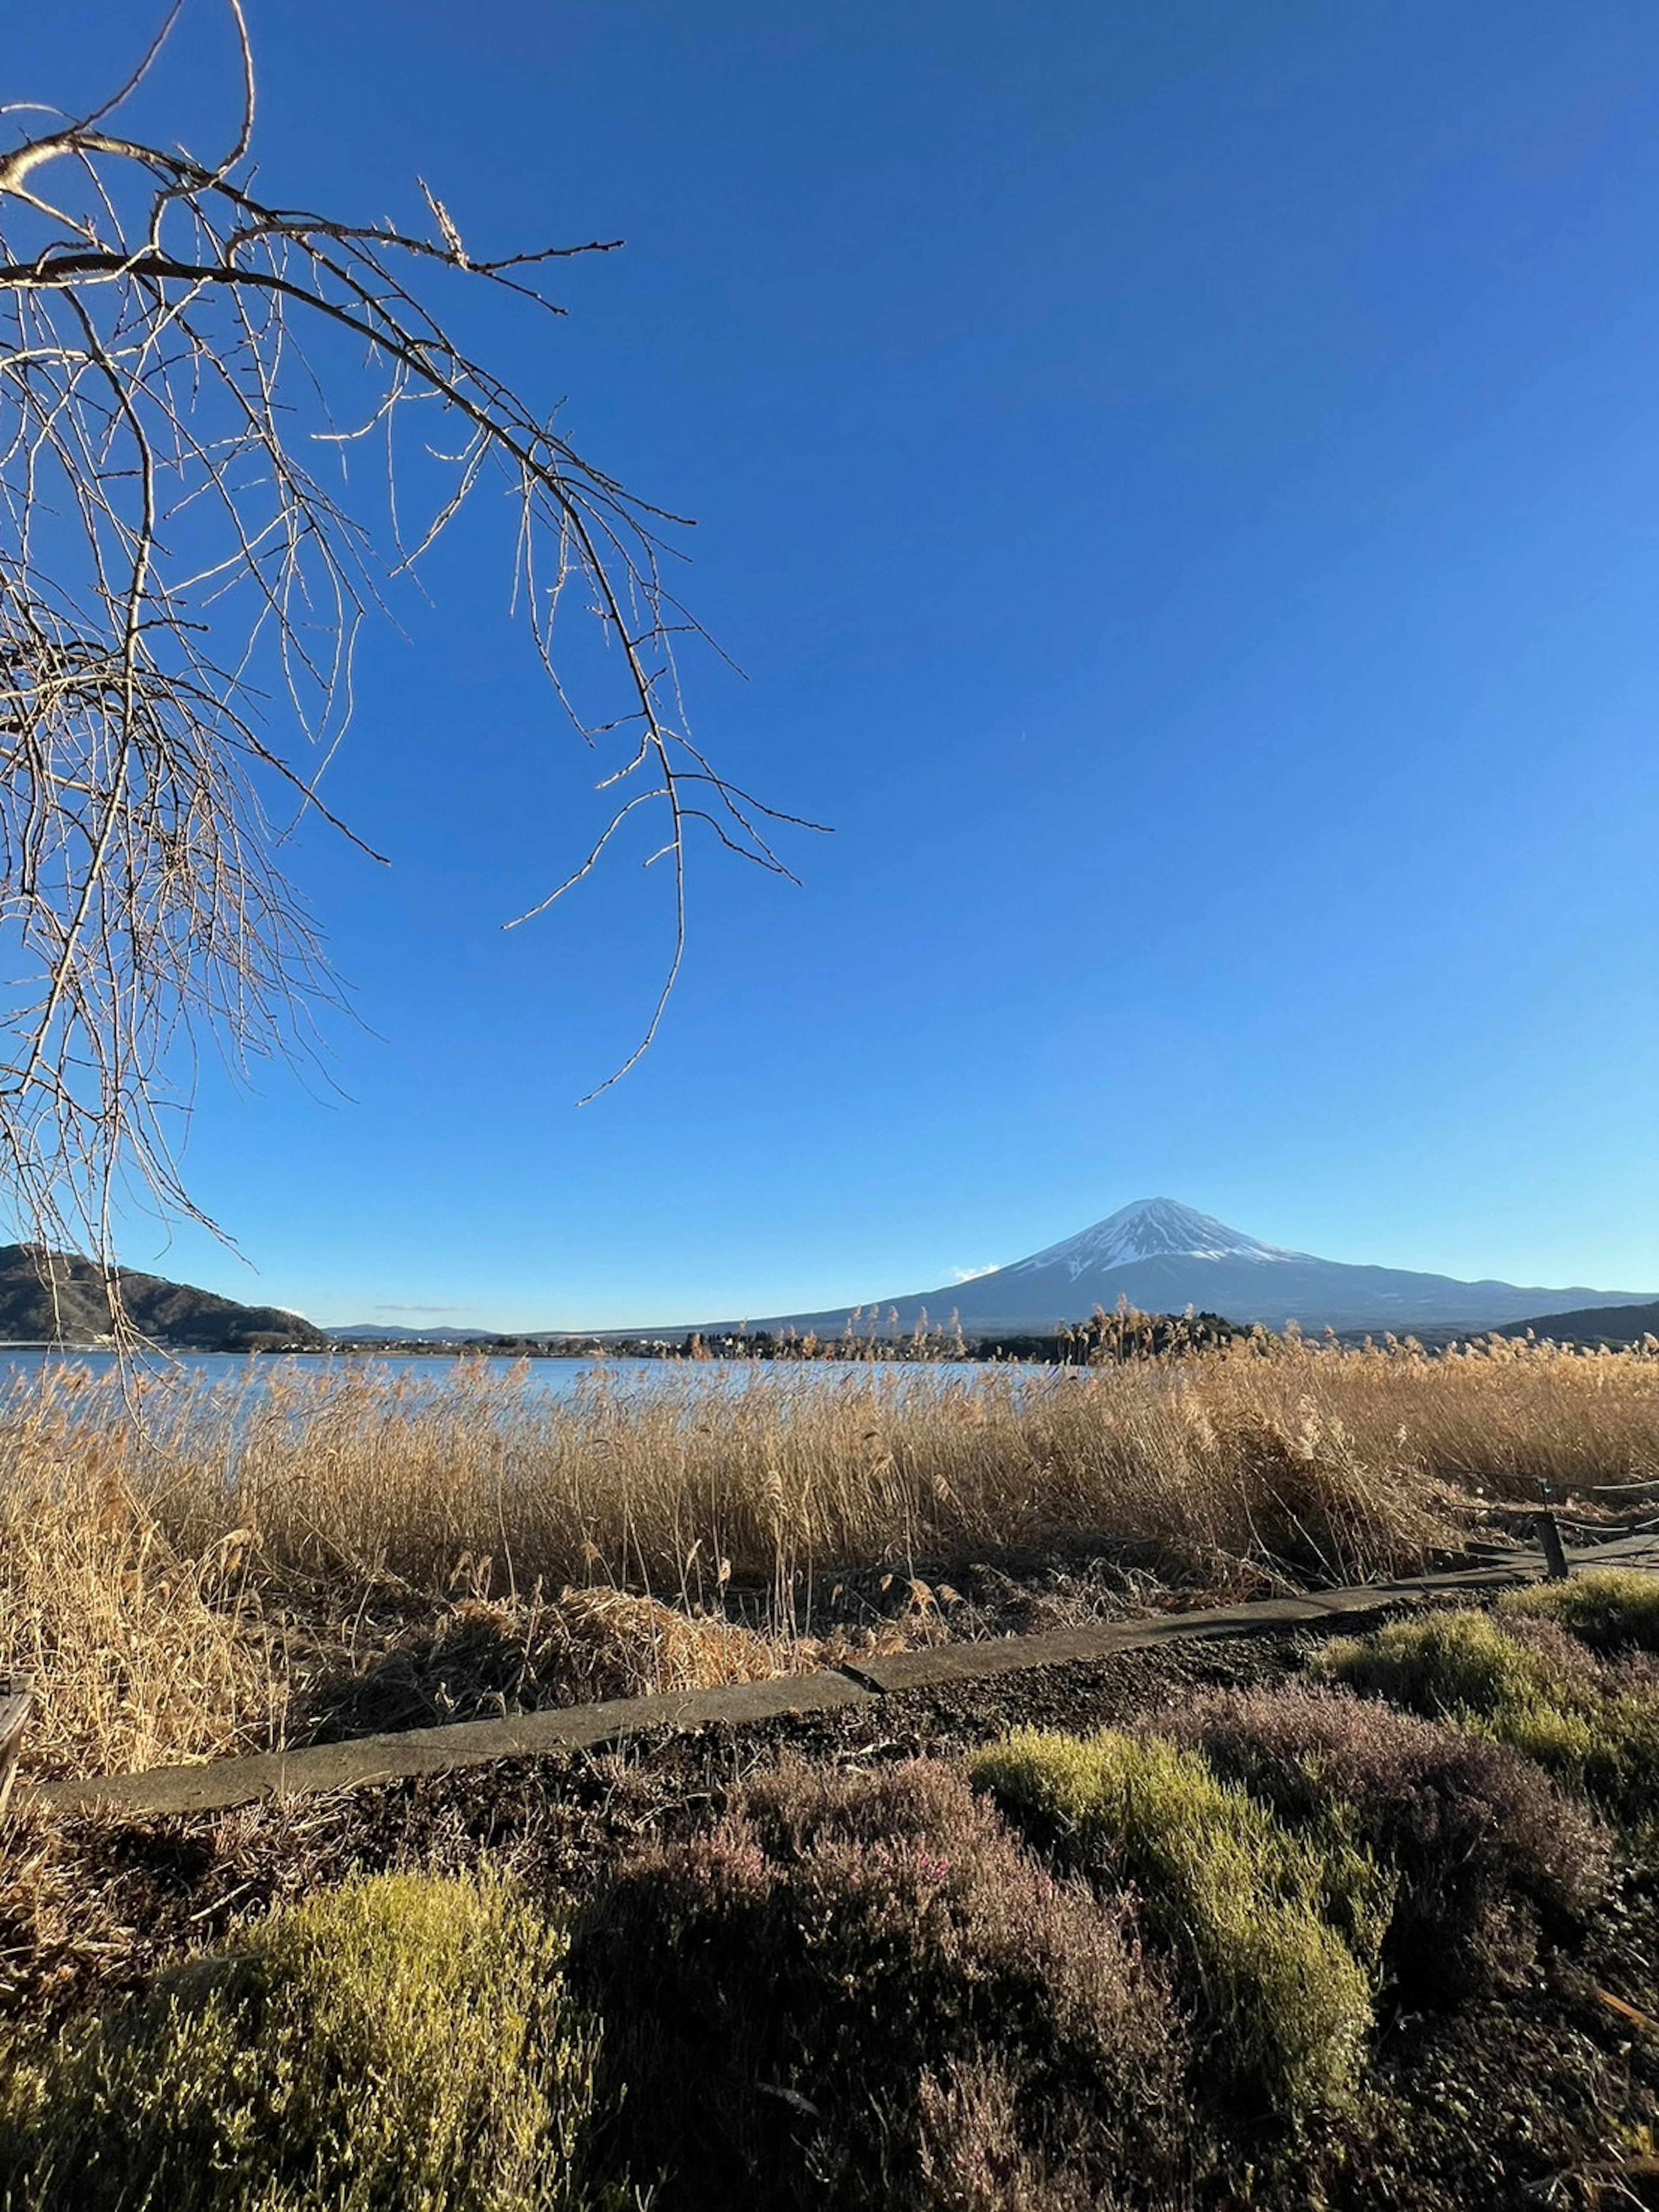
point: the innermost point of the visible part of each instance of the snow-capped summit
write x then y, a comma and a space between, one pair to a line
1150, 1229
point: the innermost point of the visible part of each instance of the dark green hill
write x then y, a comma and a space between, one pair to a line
60, 1298
1613, 1325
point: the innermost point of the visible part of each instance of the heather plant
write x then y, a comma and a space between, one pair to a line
1612, 1609
858, 1991
403, 2041
1251, 1908
974, 2155
1593, 1728
1480, 1841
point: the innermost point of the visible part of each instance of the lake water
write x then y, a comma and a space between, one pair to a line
551, 1378
556, 1378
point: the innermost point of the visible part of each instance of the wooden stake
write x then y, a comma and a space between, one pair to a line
16, 1704
1555, 1558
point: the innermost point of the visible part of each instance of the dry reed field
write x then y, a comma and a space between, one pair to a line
194, 1569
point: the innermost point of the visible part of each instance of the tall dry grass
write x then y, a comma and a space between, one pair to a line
181, 1562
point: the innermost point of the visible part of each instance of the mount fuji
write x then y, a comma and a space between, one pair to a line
1163, 1257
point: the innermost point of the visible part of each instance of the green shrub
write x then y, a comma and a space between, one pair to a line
1244, 1902
1481, 1841
1609, 1751
401, 2045
1612, 1609
1594, 1728
860, 1990
1449, 1668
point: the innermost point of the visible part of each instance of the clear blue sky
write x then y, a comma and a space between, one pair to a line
1183, 483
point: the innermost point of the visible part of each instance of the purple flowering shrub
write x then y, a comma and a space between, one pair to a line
1482, 1842
859, 1990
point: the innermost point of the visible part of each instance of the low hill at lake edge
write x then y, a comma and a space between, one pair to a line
61, 1298
1615, 1326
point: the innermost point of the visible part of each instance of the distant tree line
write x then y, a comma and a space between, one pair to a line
1103, 1339
1126, 1334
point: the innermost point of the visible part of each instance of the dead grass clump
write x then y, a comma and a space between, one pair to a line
798, 1995
146, 1653
612, 1644
484, 1657
1479, 1840
1310, 1501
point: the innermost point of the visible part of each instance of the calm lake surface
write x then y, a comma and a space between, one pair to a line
550, 1378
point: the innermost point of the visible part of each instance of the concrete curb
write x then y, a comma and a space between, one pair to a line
968, 1662
365, 1760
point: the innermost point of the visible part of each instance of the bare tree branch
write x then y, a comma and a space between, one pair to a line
185, 564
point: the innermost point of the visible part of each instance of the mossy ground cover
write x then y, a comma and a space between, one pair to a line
1615, 1610
1535, 1680
402, 2041
1276, 1932
1486, 1851
1210, 1936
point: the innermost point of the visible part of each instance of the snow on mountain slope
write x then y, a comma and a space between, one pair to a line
1150, 1229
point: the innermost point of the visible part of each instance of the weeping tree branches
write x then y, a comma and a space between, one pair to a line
191, 379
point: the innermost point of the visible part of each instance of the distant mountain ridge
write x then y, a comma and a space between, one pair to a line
1162, 1257
375, 1331
73, 1308
1609, 1325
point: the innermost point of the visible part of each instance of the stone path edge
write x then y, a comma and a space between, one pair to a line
364, 1761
